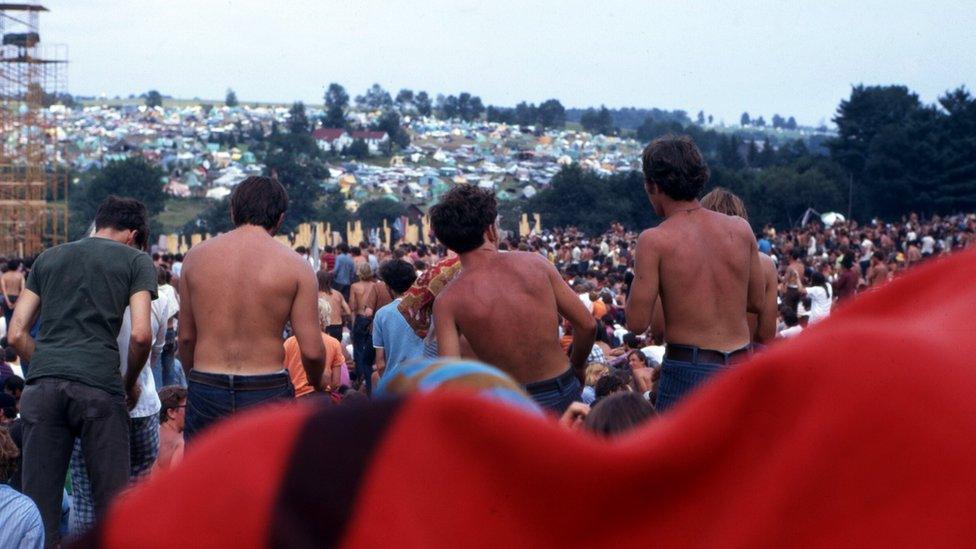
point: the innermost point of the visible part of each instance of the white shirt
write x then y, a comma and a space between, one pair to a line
791, 332
820, 301
928, 244
654, 353
148, 404
585, 298
168, 295
177, 267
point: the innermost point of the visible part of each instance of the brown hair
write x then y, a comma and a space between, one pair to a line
170, 398
258, 201
618, 413
724, 201
676, 166
8, 455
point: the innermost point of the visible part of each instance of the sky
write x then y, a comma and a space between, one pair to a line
796, 58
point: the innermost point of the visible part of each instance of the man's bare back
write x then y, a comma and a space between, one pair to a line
506, 307
703, 265
237, 292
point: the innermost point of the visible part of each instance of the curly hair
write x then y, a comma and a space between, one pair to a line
462, 216
8, 455
676, 166
724, 201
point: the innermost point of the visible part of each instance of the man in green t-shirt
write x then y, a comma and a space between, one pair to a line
80, 291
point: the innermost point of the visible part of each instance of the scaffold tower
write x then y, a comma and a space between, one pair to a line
33, 183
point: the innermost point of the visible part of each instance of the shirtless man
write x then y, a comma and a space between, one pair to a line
11, 285
238, 291
507, 305
762, 326
340, 309
878, 271
172, 415
703, 265
365, 298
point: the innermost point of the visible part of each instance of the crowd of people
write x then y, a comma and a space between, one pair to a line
129, 355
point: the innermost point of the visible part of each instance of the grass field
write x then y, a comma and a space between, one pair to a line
178, 211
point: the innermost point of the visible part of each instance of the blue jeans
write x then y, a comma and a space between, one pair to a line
679, 378
166, 371
558, 393
211, 397
363, 352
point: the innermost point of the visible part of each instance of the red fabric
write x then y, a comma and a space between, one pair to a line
860, 433
221, 495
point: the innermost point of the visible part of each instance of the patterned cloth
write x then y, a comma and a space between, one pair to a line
417, 304
429, 375
143, 449
20, 519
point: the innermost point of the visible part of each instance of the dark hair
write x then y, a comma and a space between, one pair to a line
355, 251
789, 316
618, 413
462, 216
818, 279
169, 399
879, 255
676, 166
9, 354
124, 214
8, 405
848, 261
398, 274
325, 280
630, 340
163, 275
258, 201
342, 248
642, 356
609, 384
13, 384
8, 455
13, 264
328, 249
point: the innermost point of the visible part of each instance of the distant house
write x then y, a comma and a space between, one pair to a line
331, 139
373, 139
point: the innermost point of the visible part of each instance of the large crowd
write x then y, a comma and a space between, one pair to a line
131, 355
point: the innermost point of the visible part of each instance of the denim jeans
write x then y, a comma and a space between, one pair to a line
558, 393
679, 378
211, 397
363, 352
166, 371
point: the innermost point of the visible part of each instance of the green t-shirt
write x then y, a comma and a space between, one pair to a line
84, 288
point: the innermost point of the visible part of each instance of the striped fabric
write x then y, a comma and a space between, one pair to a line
429, 375
20, 521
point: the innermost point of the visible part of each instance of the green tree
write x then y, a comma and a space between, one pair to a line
375, 98
701, 118
597, 121
552, 114
154, 99
373, 212
336, 103
230, 99
404, 99
297, 119
389, 122
422, 101
744, 120
358, 149
133, 177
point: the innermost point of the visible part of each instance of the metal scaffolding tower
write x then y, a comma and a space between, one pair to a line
33, 185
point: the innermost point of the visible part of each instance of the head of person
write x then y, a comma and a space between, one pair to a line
325, 281
674, 171
724, 201
364, 272
610, 384
328, 249
848, 261
8, 455
818, 279
14, 265
259, 201
637, 360
465, 218
878, 257
355, 251
9, 354
14, 386
163, 275
342, 248
618, 413
594, 371
126, 218
398, 275
8, 408
631, 341
172, 400
325, 313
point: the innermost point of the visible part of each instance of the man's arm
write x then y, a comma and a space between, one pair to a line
159, 338
380, 360
646, 287
307, 328
18, 333
140, 342
448, 335
766, 331
757, 280
572, 309
187, 335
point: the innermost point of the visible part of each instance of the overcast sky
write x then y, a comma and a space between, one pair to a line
789, 57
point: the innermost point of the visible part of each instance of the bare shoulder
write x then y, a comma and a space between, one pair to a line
652, 239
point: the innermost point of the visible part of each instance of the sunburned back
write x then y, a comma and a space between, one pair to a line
13, 282
705, 279
507, 311
242, 286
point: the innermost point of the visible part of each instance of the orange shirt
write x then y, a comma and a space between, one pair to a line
599, 309
293, 362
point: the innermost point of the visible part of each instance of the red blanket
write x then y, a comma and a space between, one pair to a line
861, 433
